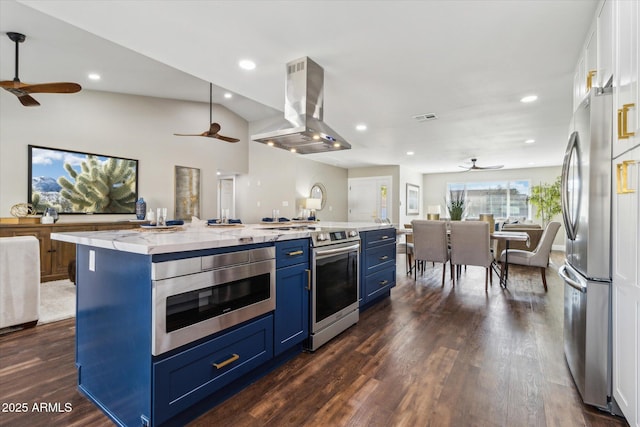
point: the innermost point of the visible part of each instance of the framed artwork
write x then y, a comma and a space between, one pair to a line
187, 192
413, 199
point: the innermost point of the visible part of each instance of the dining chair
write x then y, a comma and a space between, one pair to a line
408, 248
470, 246
430, 244
539, 257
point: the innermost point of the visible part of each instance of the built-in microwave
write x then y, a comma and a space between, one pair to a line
196, 297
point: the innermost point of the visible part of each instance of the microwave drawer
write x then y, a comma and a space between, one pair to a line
188, 377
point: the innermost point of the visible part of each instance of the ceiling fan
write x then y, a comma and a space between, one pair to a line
475, 168
24, 90
214, 128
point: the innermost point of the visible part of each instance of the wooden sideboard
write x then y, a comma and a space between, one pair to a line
55, 256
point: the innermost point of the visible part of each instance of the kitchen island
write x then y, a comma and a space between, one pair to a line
146, 361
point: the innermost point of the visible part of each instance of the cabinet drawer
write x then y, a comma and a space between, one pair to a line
187, 377
379, 258
292, 252
379, 282
378, 237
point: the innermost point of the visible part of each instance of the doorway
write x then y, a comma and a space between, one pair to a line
227, 195
369, 199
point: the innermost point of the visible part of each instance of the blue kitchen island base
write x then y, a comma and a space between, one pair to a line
114, 334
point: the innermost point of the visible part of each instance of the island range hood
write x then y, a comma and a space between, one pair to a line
303, 132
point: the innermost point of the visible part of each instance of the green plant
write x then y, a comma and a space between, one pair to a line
456, 204
101, 187
546, 199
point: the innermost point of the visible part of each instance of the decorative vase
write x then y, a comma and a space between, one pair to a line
52, 213
141, 209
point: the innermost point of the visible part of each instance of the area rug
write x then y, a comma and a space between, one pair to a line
57, 301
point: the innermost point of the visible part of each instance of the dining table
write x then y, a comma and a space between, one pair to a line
506, 236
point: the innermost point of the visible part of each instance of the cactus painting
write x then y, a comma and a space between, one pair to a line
73, 182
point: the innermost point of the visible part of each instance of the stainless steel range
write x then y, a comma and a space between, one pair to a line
335, 283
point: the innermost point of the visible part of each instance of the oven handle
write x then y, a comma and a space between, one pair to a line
338, 250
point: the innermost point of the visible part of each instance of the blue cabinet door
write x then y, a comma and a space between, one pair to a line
292, 307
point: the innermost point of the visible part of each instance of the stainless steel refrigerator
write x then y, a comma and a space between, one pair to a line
586, 211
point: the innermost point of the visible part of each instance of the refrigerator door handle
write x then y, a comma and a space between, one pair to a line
569, 281
570, 223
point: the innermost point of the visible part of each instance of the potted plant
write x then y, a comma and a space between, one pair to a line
546, 199
456, 205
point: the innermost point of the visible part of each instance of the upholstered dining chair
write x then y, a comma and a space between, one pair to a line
430, 244
408, 248
470, 246
539, 257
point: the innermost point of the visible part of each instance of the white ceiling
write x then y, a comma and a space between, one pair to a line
468, 61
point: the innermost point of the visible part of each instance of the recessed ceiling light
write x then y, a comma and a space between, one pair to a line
410, 153
247, 64
529, 98
293, 150
94, 76
530, 141
270, 144
218, 173
336, 145
228, 95
361, 127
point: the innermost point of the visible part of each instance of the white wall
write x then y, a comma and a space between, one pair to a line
142, 128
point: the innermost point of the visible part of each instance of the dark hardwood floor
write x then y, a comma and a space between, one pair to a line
427, 356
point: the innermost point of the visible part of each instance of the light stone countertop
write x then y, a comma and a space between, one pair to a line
191, 237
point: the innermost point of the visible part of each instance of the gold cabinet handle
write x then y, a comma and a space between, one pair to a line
384, 257
620, 133
623, 121
221, 365
308, 279
383, 282
294, 253
622, 177
590, 76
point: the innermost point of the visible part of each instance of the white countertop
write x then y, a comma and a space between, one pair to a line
190, 237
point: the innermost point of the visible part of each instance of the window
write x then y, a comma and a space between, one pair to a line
503, 199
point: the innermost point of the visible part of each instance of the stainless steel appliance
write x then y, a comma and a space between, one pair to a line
335, 284
303, 128
586, 206
196, 297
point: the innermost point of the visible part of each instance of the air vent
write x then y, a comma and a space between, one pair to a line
425, 117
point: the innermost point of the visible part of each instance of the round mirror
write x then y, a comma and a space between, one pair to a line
319, 192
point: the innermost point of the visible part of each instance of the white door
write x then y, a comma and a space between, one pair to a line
369, 199
226, 196
626, 284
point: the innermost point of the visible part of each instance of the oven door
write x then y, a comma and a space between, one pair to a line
194, 306
335, 283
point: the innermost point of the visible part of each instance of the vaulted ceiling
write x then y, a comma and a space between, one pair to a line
468, 61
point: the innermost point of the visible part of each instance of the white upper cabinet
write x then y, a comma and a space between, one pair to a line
625, 91
604, 69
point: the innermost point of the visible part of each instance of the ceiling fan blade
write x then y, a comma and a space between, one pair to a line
490, 167
225, 138
28, 101
58, 87
191, 134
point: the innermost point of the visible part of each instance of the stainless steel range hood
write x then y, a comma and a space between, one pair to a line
304, 131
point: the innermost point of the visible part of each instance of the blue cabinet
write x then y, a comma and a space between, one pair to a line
291, 319
377, 265
185, 378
